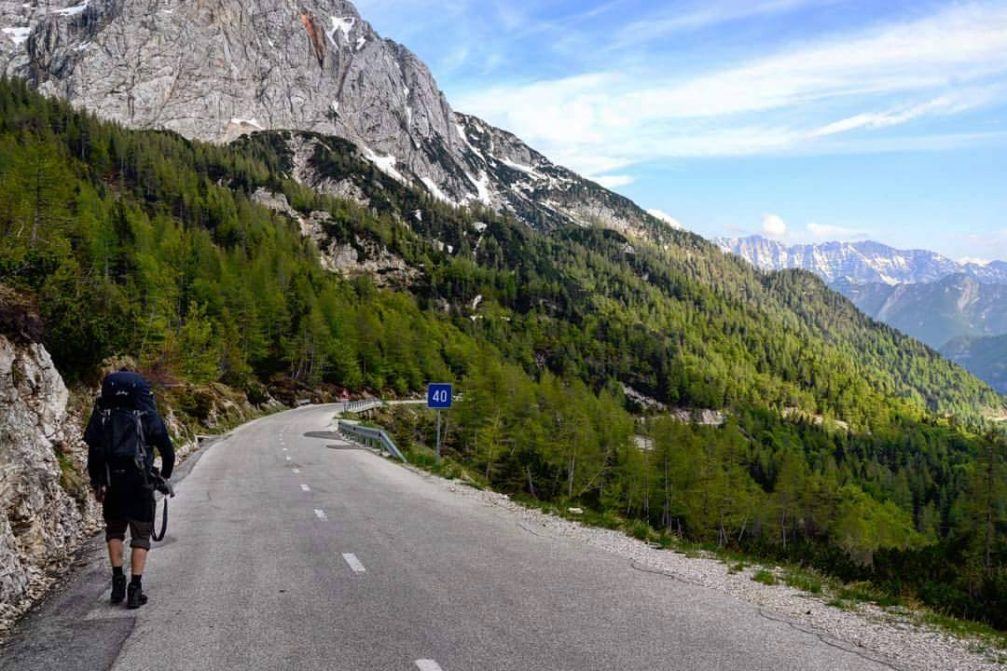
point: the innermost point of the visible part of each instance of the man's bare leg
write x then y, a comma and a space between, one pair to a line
137, 561
115, 553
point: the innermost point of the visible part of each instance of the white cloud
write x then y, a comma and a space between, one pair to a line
614, 181
667, 23
666, 218
974, 261
943, 64
773, 226
827, 232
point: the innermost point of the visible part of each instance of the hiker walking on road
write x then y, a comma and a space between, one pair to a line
123, 427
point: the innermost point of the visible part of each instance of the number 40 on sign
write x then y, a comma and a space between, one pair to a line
439, 396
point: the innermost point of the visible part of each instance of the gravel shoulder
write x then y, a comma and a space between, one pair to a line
880, 633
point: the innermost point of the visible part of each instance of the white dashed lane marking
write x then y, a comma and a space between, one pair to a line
305, 488
428, 665
320, 514
354, 563
297, 471
288, 457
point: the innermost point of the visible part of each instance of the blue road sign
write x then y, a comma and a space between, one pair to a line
439, 396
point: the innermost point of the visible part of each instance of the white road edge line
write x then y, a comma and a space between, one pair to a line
305, 488
428, 665
320, 514
354, 563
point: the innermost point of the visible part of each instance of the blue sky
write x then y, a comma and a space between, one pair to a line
808, 120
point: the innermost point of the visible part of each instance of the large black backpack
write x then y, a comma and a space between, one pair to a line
122, 440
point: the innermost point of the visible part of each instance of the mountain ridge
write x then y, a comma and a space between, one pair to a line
859, 262
936, 312
215, 71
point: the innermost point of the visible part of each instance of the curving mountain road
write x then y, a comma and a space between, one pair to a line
292, 552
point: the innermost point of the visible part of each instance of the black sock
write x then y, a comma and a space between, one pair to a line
135, 579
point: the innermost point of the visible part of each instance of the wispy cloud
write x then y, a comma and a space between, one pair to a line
944, 64
823, 232
670, 22
993, 243
946, 104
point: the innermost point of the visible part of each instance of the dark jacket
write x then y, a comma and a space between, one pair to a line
154, 430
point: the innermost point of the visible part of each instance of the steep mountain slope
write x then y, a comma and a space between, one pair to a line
859, 262
934, 312
216, 70
984, 357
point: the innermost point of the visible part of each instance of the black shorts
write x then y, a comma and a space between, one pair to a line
139, 532
129, 503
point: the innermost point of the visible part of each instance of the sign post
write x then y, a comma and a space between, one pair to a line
439, 397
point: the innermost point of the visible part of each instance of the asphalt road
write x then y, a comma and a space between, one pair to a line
293, 552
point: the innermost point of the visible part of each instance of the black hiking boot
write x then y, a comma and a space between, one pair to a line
118, 588
135, 597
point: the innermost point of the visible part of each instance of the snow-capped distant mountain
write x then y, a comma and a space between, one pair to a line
957, 308
860, 262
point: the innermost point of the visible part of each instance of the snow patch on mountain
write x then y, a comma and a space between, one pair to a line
385, 164
72, 11
342, 25
17, 35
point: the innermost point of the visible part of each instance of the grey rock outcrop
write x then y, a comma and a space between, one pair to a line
350, 259
216, 69
41, 524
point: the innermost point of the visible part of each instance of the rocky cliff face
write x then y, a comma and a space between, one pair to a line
41, 523
217, 69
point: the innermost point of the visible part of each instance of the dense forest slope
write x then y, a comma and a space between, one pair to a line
209, 263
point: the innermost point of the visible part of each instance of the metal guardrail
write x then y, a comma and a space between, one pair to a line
375, 438
362, 406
